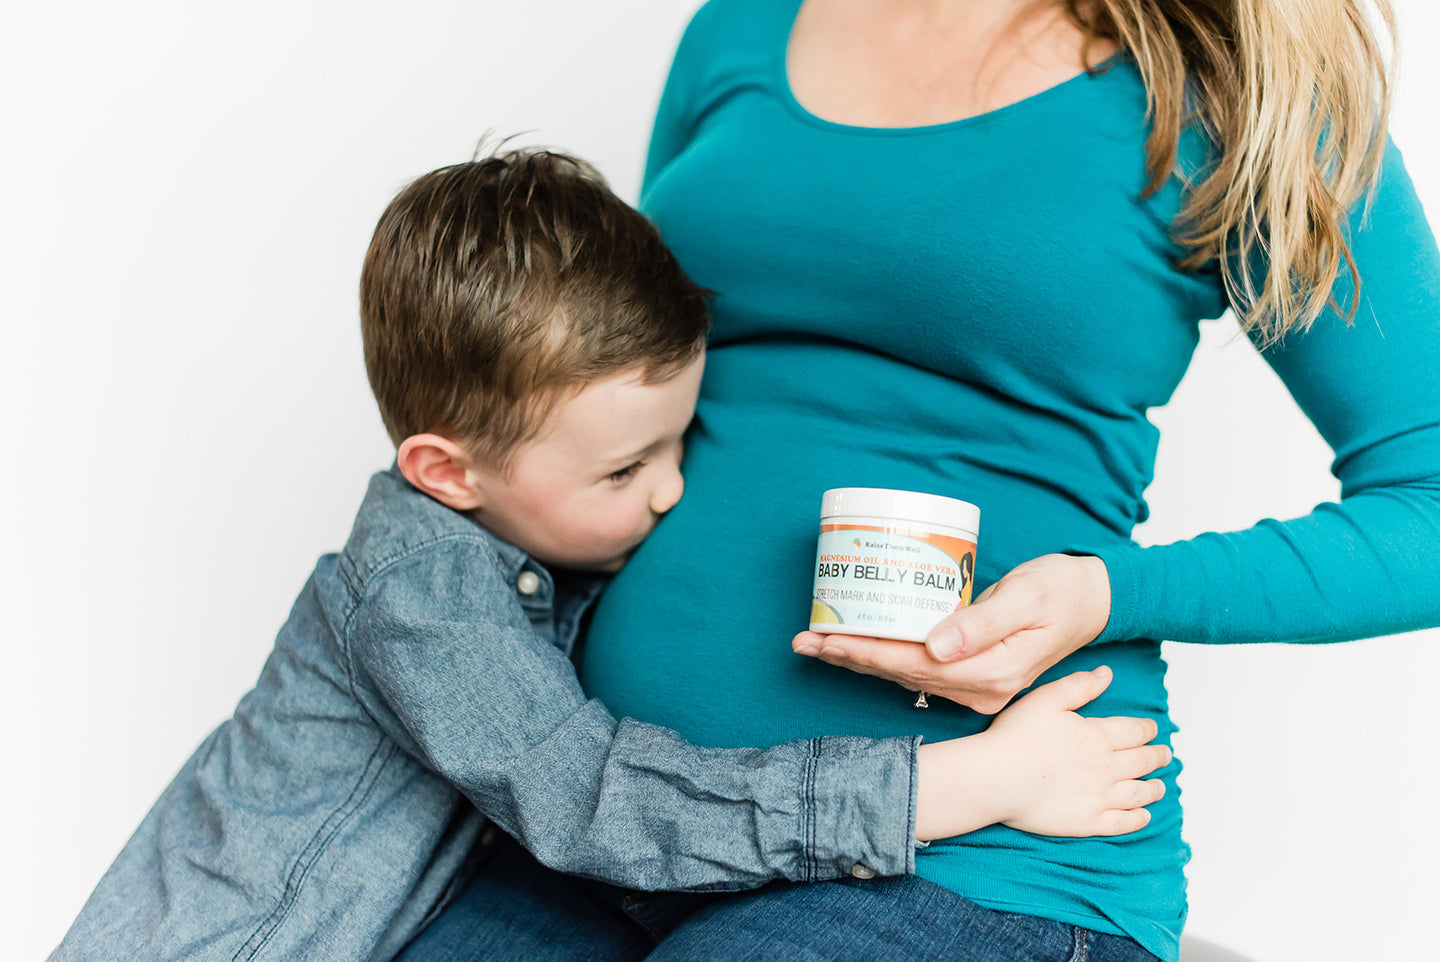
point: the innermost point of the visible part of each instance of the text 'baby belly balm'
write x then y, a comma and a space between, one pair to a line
892, 563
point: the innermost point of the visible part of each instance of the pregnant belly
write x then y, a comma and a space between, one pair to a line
694, 634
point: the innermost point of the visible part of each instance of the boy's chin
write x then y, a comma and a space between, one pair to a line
614, 564
607, 566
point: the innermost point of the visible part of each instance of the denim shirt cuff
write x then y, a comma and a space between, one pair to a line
860, 807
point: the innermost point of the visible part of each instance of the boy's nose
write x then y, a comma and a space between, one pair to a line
667, 493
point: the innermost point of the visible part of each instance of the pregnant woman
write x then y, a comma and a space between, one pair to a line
952, 259
951, 262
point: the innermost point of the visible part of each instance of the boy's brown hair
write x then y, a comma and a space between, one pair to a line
493, 288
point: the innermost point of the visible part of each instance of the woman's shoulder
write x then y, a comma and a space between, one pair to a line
720, 13
735, 27
728, 44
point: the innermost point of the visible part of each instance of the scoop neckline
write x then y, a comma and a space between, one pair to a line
794, 106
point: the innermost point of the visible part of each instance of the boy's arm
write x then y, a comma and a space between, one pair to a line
447, 664
1042, 767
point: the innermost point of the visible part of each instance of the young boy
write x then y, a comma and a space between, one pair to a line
536, 354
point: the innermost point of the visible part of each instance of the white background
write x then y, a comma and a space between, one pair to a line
187, 192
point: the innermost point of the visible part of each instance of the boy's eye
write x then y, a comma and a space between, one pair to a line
626, 473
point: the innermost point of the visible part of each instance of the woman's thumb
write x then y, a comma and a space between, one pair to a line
971, 630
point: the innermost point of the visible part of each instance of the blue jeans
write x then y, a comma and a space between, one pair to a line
517, 909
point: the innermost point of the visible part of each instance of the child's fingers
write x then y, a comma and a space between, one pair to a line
1123, 821
1136, 794
1074, 691
1123, 731
1137, 762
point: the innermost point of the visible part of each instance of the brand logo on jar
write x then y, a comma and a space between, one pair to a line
889, 546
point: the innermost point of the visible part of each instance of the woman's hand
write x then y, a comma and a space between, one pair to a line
1043, 768
984, 655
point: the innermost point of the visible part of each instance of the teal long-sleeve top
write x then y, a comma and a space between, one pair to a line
987, 309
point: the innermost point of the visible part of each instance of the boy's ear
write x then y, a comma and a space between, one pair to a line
441, 468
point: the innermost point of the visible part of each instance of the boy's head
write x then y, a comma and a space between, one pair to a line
521, 323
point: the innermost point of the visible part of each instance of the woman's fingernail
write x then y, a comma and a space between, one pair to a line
834, 653
946, 643
806, 650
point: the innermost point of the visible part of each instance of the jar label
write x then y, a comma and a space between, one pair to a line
889, 582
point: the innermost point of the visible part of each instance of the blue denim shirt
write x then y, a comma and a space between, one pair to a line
424, 668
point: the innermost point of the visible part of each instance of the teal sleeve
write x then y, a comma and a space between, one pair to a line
675, 118
1370, 564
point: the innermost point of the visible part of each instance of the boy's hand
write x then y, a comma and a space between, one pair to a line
1044, 769
983, 655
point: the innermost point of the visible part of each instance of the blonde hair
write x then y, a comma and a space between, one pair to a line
1295, 96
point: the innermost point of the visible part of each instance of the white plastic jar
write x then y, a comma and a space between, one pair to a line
892, 563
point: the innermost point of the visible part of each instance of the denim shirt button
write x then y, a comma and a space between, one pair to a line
528, 583
862, 871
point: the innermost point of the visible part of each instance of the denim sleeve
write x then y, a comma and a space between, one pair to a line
443, 657
1367, 565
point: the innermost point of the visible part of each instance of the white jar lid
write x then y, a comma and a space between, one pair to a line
912, 506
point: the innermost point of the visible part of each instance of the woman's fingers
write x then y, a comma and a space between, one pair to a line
902, 661
984, 655
808, 643
986, 682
